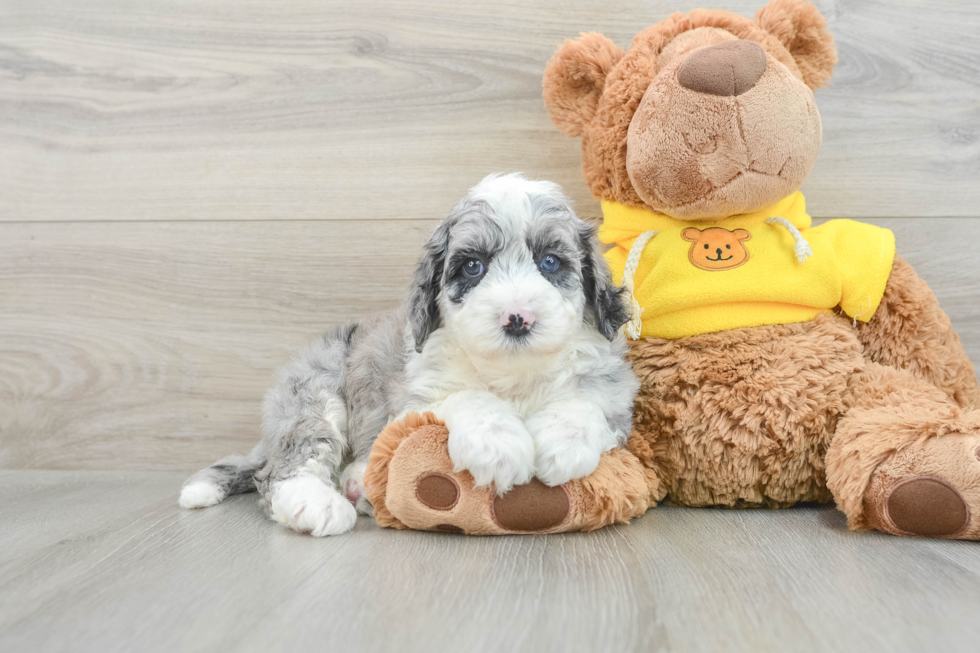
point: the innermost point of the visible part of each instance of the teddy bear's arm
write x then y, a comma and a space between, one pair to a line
910, 331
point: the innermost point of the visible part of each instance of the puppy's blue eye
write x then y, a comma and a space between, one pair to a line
473, 268
550, 264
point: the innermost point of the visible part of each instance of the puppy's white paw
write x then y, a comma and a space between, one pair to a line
306, 504
200, 494
352, 482
567, 449
494, 448
562, 462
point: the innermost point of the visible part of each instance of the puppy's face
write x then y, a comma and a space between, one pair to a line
512, 270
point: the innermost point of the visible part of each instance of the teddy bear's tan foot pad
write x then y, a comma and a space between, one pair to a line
531, 507
927, 506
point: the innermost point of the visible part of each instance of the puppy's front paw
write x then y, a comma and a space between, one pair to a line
564, 451
306, 504
562, 462
494, 449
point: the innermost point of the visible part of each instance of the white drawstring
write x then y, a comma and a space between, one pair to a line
801, 248
635, 324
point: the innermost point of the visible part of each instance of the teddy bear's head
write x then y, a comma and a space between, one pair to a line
707, 115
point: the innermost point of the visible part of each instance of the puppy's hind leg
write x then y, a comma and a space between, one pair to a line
352, 483
305, 438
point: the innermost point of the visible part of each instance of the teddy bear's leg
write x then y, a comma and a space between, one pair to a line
910, 331
411, 483
904, 458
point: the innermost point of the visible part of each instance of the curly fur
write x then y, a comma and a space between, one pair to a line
744, 417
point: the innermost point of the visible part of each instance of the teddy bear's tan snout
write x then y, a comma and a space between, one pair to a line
722, 129
726, 69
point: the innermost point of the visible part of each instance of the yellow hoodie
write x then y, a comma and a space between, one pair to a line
702, 277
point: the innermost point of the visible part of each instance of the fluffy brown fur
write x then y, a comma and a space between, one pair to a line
878, 416
577, 77
745, 417
803, 31
892, 410
910, 331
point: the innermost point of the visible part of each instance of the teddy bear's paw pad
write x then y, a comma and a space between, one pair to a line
927, 506
437, 491
931, 488
531, 507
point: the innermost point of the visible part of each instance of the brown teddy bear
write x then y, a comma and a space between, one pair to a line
779, 362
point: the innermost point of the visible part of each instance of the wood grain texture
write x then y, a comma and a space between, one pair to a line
251, 110
134, 345
149, 345
106, 562
191, 191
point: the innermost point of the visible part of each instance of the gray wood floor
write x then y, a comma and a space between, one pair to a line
105, 561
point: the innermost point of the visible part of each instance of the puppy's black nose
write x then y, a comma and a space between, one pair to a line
517, 325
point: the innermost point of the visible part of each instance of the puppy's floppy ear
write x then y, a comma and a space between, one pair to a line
802, 30
602, 299
423, 298
574, 79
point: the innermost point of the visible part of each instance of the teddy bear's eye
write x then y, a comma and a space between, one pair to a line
706, 246
728, 246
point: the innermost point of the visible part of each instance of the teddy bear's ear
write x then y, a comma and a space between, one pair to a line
574, 78
691, 235
803, 31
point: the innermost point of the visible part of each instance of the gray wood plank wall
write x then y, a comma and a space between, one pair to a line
190, 191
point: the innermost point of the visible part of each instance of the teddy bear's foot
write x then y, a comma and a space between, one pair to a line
411, 483
929, 489
529, 508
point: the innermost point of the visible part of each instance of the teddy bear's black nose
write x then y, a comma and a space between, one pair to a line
729, 68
